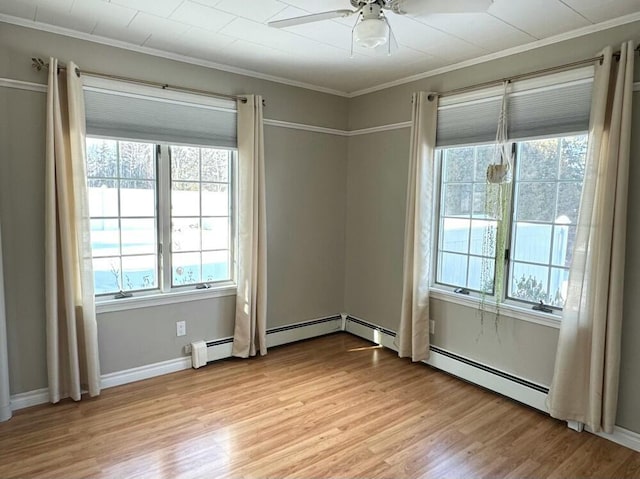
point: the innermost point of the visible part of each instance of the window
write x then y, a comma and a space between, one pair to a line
200, 215
160, 215
462, 252
514, 244
160, 172
546, 200
544, 204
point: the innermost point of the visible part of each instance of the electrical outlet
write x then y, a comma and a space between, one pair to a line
432, 326
181, 328
187, 348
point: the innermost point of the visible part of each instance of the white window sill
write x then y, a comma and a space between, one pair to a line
159, 299
510, 310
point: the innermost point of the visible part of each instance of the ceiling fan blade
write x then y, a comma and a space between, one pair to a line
424, 7
314, 17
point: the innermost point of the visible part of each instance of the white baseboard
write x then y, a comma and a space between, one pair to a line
218, 350
621, 436
29, 398
147, 371
41, 396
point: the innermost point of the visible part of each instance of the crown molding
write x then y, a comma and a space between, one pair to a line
580, 32
616, 22
45, 27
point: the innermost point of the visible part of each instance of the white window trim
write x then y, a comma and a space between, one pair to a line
154, 298
506, 308
166, 293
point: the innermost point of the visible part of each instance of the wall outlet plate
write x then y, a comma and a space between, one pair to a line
181, 328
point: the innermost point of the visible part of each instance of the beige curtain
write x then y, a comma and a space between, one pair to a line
251, 302
413, 334
72, 333
585, 380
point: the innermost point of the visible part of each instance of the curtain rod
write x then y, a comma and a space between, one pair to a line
533, 74
38, 64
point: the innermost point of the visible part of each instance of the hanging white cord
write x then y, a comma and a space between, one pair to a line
499, 171
502, 137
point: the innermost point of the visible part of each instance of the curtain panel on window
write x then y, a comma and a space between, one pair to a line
413, 333
585, 381
72, 333
250, 331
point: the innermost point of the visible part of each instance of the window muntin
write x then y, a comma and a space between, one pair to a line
200, 215
121, 178
129, 204
548, 185
545, 202
463, 220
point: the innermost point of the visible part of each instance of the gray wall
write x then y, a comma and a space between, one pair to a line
376, 200
22, 215
335, 216
629, 391
376, 195
376, 191
306, 188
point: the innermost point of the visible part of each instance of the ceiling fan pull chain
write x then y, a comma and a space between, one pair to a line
390, 36
352, 31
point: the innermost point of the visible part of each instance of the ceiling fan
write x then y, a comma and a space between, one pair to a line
372, 28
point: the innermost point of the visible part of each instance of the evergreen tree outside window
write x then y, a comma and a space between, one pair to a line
544, 204
160, 216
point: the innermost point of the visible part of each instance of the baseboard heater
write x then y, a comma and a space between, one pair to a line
520, 389
221, 348
491, 370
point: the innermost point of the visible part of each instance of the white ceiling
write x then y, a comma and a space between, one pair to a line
234, 33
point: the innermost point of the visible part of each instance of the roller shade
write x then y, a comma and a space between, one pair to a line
195, 120
550, 110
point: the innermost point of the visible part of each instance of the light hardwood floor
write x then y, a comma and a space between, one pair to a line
334, 406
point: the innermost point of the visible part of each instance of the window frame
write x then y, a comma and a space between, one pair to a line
514, 307
439, 172
165, 292
165, 247
117, 177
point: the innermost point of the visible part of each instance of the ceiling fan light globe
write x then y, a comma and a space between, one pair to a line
371, 33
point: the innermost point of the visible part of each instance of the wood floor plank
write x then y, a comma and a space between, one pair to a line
334, 406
